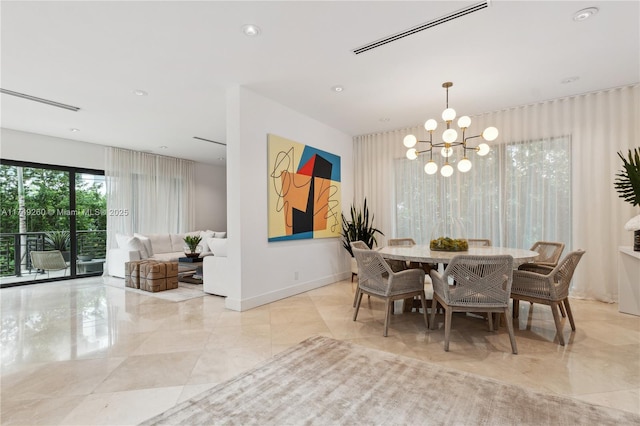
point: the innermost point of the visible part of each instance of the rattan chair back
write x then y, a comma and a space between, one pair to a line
549, 252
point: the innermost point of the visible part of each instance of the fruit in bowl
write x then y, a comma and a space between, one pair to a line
449, 244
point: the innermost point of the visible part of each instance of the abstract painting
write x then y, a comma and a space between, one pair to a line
304, 191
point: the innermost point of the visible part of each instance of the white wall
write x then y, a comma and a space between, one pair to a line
211, 183
262, 272
211, 197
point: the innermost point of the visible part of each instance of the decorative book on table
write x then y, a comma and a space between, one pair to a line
190, 259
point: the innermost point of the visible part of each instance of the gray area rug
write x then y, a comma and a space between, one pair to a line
323, 381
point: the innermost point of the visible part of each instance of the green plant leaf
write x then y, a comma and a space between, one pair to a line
359, 228
627, 181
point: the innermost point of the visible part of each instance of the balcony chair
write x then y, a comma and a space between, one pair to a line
51, 260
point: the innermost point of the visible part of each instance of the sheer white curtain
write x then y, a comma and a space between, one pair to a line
597, 126
148, 193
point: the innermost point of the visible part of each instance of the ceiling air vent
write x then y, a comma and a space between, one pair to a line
209, 140
441, 20
41, 100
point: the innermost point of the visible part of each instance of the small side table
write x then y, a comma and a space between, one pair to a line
629, 281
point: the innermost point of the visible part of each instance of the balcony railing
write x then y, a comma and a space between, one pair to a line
16, 248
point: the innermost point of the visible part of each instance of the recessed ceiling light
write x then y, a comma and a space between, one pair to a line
139, 92
569, 80
73, 129
251, 30
584, 14
384, 119
163, 147
221, 158
337, 89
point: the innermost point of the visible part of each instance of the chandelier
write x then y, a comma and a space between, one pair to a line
449, 141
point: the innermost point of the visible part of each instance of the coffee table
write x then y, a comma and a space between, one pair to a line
190, 270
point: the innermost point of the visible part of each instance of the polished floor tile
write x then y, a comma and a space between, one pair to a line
87, 352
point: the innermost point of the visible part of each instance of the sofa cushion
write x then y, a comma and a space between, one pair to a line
177, 242
218, 246
146, 242
168, 257
161, 243
131, 243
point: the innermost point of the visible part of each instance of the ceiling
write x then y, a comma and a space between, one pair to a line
185, 55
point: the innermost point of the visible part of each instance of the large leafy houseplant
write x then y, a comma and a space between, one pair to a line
57, 240
627, 180
627, 184
359, 228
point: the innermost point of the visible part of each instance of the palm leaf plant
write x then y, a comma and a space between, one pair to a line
359, 228
57, 240
627, 180
192, 242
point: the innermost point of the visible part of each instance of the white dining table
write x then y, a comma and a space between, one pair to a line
423, 254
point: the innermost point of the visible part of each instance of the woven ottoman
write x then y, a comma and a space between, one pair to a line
158, 276
132, 273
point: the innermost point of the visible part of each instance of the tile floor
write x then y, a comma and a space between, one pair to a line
84, 353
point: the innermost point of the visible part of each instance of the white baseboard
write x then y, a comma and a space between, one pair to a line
263, 299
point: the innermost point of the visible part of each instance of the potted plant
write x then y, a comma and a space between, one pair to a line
58, 240
192, 242
627, 184
358, 228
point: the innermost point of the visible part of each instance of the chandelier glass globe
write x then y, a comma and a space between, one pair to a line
446, 170
410, 141
464, 165
431, 167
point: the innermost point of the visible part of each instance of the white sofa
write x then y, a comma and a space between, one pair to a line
163, 247
215, 268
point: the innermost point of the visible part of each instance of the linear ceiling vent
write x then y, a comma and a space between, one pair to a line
446, 18
209, 140
41, 100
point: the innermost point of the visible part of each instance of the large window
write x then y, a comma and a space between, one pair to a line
48, 208
518, 194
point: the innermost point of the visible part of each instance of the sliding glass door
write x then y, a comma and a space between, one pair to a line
52, 222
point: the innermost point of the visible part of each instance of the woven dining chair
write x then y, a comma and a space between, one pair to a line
548, 288
399, 265
361, 245
482, 285
479, 242
51, 260
549, 253
377, 279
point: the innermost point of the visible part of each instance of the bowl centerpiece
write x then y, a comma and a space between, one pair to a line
449, 244
449, 235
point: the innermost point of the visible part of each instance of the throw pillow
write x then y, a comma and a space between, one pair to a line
205, 235
218, 234
218, 246
146, 242
133, 244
